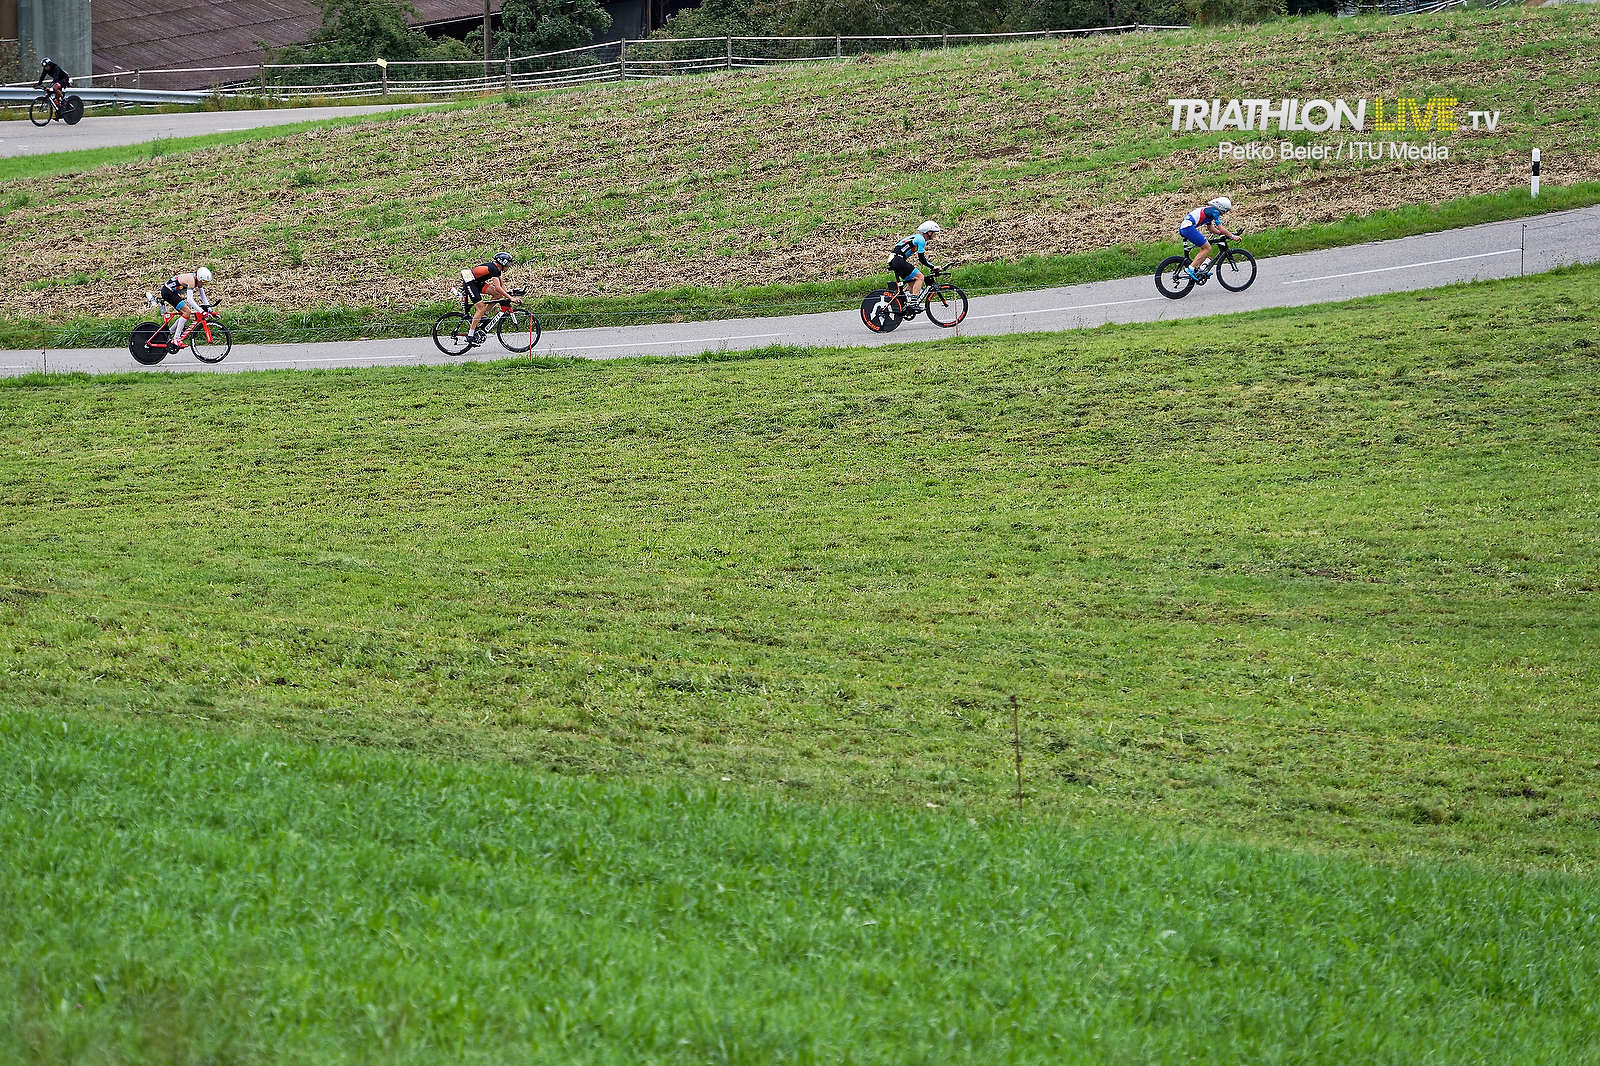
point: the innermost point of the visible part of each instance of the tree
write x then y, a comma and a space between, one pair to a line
359, 31
528, 27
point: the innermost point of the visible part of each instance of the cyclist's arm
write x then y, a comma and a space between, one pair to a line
198, 294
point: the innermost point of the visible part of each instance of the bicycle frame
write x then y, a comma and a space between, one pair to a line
1220, 244
501, 309
202, 321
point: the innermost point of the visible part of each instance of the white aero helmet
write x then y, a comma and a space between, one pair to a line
203, 275
929, 226
1223, 204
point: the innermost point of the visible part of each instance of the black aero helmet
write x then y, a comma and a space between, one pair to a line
503, 259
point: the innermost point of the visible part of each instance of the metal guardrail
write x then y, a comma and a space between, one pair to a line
111, 96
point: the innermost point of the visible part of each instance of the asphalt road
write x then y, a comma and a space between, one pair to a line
105, 130
1494, 250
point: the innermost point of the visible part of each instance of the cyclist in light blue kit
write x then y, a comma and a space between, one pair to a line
900, 258
1209, 216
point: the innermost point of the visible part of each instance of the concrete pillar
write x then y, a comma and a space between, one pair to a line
60, 29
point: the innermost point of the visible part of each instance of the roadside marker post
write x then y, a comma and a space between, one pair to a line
1535, 172
383, 69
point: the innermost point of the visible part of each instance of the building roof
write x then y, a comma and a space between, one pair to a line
153, 34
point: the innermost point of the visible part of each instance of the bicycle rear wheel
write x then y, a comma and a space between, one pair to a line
139, 344
1236, 270
881, 311
212, 349
946, 305
1172, 277
450, 333
72, 111
518, 330
40, 112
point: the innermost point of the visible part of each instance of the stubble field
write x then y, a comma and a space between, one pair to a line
802, 174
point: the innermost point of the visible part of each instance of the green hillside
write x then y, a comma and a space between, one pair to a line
1322, 577
800, 175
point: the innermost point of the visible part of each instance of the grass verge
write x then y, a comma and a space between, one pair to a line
1318, 575
181, 897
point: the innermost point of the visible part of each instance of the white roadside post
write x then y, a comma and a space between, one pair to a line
1535, 172
383, 69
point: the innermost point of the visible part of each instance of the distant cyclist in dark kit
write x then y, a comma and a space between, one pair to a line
50, 71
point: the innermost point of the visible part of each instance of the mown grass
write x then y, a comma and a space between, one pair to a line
176, 896
805, 176
699, 303
1324, 577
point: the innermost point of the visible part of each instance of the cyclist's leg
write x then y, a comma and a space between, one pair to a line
904, 272
1202, 248
475, 294
186, 306
492, 290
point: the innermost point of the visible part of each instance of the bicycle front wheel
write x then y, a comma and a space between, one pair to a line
211, 342
1236, 270
946, 305
1172, 277
518, 330
40, 112
450, 333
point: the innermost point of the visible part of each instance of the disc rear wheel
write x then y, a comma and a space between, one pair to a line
72, 110
881, 311
139, 344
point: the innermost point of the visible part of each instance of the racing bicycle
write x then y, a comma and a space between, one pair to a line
55, 104
1234, 269
205, 335
513, 322
883, 310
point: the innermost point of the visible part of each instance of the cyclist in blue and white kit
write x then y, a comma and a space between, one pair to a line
900, 258
1208, 216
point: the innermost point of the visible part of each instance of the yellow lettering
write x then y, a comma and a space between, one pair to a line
1384, 125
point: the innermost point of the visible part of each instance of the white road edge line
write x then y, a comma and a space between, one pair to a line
1074, 307
662, 343
1404, 266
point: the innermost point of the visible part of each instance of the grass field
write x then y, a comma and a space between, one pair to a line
178, 897
661, 711
1322, 577
801, 176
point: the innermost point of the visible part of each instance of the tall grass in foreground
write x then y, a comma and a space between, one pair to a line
174, 897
